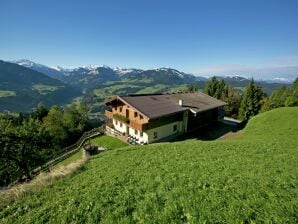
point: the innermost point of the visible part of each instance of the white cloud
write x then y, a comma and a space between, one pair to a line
283, 67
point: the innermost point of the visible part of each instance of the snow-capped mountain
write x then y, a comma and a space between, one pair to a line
89, 76
103, 73
278, 80
27, 84
234, 78
124, 71
53, 73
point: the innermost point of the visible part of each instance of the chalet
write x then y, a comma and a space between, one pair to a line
159, 117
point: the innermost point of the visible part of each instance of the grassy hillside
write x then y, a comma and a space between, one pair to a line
252, 179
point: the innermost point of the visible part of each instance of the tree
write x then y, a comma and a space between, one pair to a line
233, 98
40, 112
54, 123
251, 101
282, 97
226, 93
23, 147
192, 88
215, 88
277, 99
292, 99
75, 118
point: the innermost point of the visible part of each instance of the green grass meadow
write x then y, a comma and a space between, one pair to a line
108, 142
74, 157
249, 179
45, 89
7, 93
105, 141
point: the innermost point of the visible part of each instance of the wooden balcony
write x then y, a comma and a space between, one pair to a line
135, 124
109, 114
138, 125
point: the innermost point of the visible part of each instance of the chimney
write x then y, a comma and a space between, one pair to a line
181, 103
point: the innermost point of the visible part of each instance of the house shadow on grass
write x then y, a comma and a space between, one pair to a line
213, 131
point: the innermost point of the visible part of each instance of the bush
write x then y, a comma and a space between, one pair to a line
122, 118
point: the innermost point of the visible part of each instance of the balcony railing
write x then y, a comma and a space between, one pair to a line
135, 124
138, 125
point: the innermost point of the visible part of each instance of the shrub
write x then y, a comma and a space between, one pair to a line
122, 118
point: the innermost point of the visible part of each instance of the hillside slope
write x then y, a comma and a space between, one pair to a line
249, 179
23, 88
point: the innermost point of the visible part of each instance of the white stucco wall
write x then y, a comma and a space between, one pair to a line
148, 136
137, 135
164, 131
117, 126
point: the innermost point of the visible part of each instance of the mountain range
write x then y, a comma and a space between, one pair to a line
22, 89
59, 72
24, 84
51, 72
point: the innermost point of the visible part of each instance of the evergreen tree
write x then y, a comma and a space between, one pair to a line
39, 113
220, 90
292, 99
282, 97
277, 99
233, 98
251, 101
192, 88
215, 88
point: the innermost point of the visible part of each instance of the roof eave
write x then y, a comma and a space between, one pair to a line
209, 108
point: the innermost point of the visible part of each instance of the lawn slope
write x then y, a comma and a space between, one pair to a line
250, 179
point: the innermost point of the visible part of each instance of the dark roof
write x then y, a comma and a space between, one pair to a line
158, 105
153, 106
197, 101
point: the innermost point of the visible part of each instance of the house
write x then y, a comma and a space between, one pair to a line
159, 117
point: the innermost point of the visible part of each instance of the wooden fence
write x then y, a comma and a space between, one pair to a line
68, 151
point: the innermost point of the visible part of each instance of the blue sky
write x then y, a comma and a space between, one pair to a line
190, 35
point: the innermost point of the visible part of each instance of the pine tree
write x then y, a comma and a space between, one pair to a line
215, 88
192, 88
282, 97
251, 101
232, 97
292, 99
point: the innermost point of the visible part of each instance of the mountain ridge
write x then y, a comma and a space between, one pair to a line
59, 72
29, 88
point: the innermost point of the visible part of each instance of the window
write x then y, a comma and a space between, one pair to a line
136, 132
175, 127
141, 134
135, 114
155, 134
141, 117
120, 109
